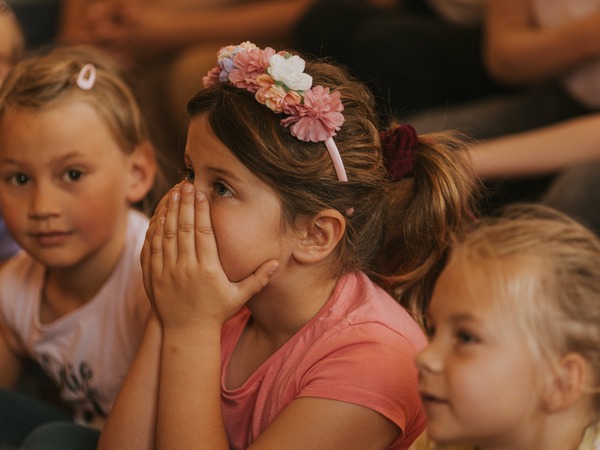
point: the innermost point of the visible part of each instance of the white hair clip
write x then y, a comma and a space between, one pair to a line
86, 77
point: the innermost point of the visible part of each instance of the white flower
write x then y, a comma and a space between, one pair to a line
290, 71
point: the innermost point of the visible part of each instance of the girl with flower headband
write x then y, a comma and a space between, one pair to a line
74, 161
273, 266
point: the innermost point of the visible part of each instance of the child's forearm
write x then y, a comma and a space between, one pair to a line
131, 423
540, 151
254, 21
190, 413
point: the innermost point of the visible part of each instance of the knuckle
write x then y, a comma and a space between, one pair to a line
169, 234
186, 227
204, 230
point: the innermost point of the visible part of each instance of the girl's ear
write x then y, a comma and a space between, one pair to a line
567, 383
142, 172
319, 236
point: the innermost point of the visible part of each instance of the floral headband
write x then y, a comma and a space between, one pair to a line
278, 81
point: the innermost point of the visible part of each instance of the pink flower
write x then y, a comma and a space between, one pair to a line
318, 118
249, 65
212, 77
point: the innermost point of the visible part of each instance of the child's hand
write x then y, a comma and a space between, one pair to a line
182, 271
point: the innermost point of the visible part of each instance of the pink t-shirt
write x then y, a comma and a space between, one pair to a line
359, 348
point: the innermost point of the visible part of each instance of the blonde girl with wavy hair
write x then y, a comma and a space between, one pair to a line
278, 268
514, 357
75, 166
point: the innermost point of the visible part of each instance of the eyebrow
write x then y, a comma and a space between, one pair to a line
215, 170
456, 318
222, 172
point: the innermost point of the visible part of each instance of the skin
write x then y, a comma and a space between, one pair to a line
519, 52
195, 244
10, 39
479, 381
539, 151
66, 187
143, 30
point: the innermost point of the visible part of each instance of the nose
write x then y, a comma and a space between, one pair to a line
430, 359
200, 186
44, 202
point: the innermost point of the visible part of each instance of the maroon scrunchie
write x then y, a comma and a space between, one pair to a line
398, 144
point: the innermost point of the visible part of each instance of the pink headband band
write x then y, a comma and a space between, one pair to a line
278, 81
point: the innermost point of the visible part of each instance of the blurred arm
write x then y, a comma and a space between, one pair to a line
517, 51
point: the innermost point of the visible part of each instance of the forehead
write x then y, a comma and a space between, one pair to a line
502, 286
204, 146
63, 127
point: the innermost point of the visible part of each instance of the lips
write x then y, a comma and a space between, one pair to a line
51, 238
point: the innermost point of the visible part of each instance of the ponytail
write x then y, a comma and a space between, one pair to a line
422, 214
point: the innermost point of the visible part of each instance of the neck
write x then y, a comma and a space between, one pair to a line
278, 313
286, 306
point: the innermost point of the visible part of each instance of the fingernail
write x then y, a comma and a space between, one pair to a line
187, 188
200, 196
273, 269
175, 196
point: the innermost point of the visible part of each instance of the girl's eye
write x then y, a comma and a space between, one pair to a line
464, 337
189, 175
74, 175
221, 190
20, 178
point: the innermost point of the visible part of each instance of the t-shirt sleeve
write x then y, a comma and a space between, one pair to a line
372, 366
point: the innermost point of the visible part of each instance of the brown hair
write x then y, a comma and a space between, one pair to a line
41, 80
545, 270
397, 232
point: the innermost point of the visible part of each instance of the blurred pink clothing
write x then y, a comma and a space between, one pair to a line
360, 348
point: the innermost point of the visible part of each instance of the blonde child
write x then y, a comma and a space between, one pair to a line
74, 158
514, 357
268, 332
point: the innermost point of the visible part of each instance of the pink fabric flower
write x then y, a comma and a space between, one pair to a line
212, 77
249, 65
318, 118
